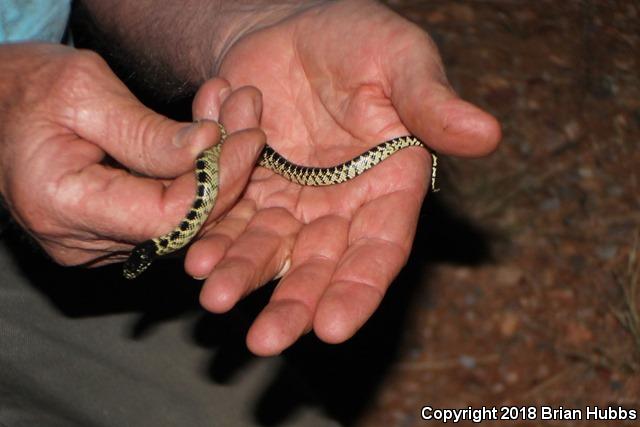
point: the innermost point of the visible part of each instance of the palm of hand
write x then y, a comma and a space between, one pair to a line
325, 101
322, 108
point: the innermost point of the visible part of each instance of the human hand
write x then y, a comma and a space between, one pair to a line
336, 79
62, 113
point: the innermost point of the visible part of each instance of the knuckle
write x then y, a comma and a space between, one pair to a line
84, 63
78, 72
35, 210
145, 135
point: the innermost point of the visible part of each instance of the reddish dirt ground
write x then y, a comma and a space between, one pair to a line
552, 317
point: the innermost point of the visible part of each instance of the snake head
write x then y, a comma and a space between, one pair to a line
140, 259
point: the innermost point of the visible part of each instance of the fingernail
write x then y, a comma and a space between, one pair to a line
224, 94
181, 137
284, 270
199, 278
257, 106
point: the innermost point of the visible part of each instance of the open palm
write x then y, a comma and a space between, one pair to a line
336, 80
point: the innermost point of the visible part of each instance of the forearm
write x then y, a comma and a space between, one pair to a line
178, 45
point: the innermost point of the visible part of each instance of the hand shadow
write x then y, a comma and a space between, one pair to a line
343, 379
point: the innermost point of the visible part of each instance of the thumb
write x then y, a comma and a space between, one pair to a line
141, 139
430, 109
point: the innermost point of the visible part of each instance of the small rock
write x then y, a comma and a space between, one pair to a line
495, 82
573, 130
542, 371
509, 276
585, 172
624, 64
466, 361
511, 377
509, 325
577, 333
550, 204
560, 60
470, 298
607, 252
615, 191
616, 385
565, 296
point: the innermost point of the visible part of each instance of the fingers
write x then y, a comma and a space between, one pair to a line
380, 239
208, 100
111, 202
293, 304
237, 161
241, 117
430, 109
253, 259
134, 208
235, 114
215, 101
142, 140
239, 111
205, 253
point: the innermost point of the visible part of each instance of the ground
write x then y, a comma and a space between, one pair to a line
538, 303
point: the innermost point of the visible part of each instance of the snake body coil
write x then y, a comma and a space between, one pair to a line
207, 175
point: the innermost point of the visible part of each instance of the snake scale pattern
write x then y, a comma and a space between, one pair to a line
207, 176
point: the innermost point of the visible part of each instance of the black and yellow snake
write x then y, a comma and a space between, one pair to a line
207, 176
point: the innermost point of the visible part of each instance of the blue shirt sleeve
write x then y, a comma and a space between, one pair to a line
37, 20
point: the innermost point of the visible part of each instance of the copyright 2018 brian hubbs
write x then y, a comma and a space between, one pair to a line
527, 413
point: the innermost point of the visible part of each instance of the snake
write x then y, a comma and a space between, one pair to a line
207, 172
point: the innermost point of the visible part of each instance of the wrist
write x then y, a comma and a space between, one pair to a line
171, 48
243, 19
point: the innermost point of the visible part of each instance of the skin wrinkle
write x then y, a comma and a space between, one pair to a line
224, 239
105, 188
244, 27
84, 242
350, 282
264, 220
236, 261
349, 100
367, 241
308, 309
309, 89
324, 106
145, 132
298, 210
316, 258
338, 222
312, 262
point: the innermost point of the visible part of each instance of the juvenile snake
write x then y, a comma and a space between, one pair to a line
207, 176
